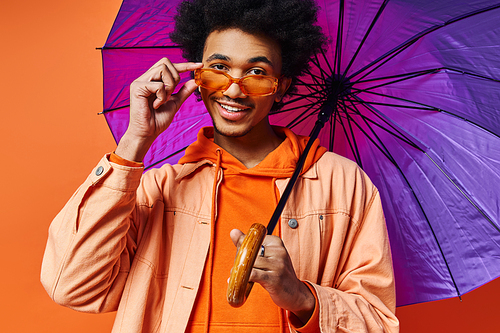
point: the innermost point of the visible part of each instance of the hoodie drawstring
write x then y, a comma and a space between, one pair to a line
277, 196
210, 262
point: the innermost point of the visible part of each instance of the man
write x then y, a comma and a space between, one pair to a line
155, 247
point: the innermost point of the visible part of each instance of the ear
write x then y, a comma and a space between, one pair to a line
282, 88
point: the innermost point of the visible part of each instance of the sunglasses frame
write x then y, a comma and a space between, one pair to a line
238, 81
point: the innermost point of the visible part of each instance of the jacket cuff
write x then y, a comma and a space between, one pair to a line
124, 162
312, 325
116, 176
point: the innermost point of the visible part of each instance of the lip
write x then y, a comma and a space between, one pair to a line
232, 115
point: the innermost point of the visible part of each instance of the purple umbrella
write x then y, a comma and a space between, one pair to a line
417, 85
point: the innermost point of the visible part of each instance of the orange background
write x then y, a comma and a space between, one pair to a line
51, 136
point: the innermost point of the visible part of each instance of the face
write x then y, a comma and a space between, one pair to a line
238, 54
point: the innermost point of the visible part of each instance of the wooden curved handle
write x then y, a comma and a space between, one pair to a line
239, 287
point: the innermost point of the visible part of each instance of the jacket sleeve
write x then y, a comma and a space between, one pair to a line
92, 241
362, 298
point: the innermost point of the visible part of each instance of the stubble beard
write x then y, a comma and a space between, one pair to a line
231, 134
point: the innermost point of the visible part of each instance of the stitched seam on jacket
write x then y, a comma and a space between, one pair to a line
66, 252
182, 210
176, 295
113, 187
366, 209
128, 290
316, 212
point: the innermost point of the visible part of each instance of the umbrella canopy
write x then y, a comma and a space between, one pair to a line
417, 84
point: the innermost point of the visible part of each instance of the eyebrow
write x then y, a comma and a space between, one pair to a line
260, 59
218, 56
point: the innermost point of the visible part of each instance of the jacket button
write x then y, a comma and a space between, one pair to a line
292, 223
99, 170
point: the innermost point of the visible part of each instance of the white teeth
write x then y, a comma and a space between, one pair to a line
230, 108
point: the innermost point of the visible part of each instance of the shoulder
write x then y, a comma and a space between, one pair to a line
339, 165
344, 173
331, 160
160, 182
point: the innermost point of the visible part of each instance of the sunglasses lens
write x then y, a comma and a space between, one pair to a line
212, 80
258, 85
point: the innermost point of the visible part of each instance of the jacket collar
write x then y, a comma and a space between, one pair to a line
189, 168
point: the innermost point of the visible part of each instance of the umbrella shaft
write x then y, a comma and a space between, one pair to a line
323, 116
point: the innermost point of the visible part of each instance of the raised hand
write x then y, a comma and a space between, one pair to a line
153, 106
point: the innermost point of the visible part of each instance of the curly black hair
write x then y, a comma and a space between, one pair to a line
291, 23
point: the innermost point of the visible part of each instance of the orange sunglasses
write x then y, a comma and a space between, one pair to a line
250, 85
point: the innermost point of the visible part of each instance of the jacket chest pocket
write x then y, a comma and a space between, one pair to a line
302, 238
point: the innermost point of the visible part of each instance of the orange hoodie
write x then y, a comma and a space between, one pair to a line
245, 196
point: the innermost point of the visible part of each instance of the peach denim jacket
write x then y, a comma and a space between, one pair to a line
138, 244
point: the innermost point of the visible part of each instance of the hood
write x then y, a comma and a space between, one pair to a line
280, 163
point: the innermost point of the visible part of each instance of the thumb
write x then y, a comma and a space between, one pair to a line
187, 89
236, 236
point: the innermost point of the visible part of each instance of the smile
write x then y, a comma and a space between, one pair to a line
230, 108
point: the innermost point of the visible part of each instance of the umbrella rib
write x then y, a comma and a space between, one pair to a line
413, 193
372, 24
403, 77
387, 60
397, 105
384, 151
314, 90
313, 93
317, 78
349, 118
325, 58
113, 109
310, 105
298, 120
348, 138
436, 70
420, 35
340, 35
406, 76
425, 107
296, 100
379, 115
315, 61
137, 47
464, 194
400, 136
460, 71
332, 130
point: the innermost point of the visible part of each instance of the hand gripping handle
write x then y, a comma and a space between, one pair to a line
239, 287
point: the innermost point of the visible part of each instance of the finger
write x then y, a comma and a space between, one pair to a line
178, 67
187, 66
146, 89
164, 71
271, 242
274, 252
237, 237
169, 75
187, 89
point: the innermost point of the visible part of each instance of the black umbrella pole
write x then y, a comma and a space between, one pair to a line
239, 287
323, 116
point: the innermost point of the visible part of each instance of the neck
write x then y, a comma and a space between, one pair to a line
251, 148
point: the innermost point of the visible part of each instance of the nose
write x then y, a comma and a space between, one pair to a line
234, 92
